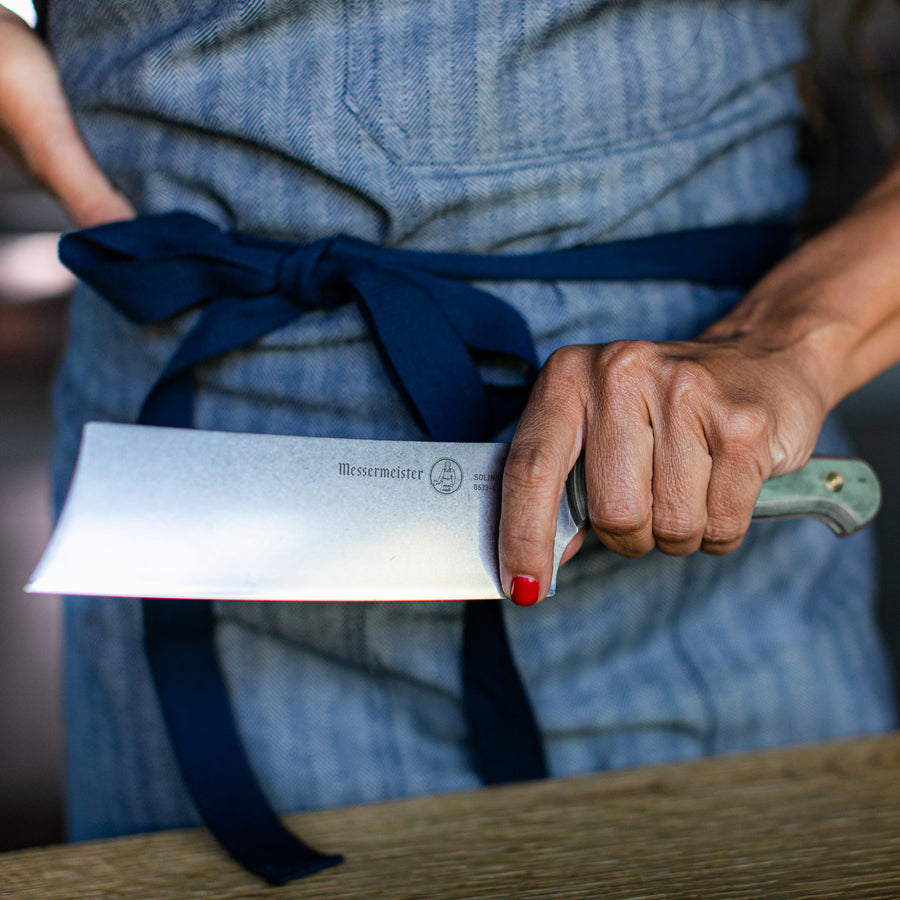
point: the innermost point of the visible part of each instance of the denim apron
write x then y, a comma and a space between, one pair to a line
504, 127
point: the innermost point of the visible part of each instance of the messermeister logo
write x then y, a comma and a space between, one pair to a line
446, 476
399, 473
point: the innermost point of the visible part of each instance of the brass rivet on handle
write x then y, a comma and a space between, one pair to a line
834, 481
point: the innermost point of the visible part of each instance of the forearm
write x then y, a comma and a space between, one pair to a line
36, 125
833, 304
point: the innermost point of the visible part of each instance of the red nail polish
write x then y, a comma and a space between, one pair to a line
524, 591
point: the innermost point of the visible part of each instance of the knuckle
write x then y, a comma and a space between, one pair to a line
722, 535
619, 517
626, 360
744, 429
528, 538
675, 527
689, 384
632, 546
564, 371
622, 375
533, 468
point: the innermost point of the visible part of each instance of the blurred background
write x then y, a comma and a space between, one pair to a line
857, 83
33, 291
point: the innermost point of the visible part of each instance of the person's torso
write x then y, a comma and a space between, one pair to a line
492, 126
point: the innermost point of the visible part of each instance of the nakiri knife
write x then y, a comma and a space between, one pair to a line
180, 513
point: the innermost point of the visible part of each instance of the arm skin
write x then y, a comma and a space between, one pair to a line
679, 436
36, 125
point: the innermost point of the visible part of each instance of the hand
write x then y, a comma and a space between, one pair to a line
36, 124
678, 439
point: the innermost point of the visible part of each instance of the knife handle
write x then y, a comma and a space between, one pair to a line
841, 491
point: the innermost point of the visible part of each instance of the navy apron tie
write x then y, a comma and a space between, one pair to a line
432, 329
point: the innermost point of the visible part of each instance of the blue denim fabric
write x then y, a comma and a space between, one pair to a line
505, 126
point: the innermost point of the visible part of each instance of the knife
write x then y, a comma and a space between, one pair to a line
181, 513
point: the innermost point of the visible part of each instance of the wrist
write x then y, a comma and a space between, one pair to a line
831, 309
784, 327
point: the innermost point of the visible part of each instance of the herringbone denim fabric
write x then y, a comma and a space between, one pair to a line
497, 126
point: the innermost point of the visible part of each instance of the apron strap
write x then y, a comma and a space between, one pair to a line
179, 640
431, 327
503, 731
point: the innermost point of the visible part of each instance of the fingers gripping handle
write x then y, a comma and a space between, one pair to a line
842, 492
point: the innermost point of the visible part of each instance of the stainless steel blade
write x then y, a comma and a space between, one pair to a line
160, 512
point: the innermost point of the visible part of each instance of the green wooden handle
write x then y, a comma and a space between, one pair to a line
840, 491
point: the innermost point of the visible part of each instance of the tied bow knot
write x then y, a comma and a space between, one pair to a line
320, 275
430, 325
429, 328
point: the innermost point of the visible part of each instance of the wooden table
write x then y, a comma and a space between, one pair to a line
813, 822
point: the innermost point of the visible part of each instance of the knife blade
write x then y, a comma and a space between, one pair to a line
181, 513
